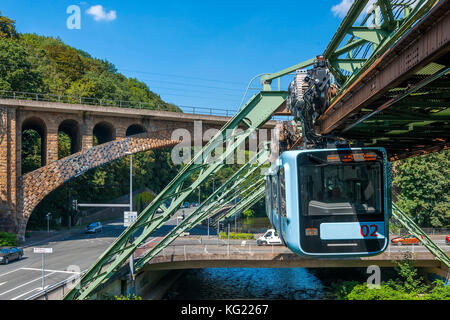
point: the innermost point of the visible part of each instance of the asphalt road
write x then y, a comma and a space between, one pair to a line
71, 254
77, 251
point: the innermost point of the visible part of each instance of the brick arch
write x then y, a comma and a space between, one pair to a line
39, 183
39, 125
71, 127
105, 130
135, 128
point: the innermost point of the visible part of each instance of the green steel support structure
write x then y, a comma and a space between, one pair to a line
251, 117
215, 202
358, 42
415, 230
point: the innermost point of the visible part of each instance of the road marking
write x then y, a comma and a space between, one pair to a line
24, 294
3, 283
46, 270
1, 275
40, 278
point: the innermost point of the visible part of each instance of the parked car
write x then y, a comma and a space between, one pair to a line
447, 239
8, 254
407, 239
94, 227
185, 205
270, 237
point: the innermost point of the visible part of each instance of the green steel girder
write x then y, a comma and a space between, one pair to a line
373, 35
254, 197
415, 230
348, 21
253, 115
244, 192
389, 35
350, 65
209, 206
366, 43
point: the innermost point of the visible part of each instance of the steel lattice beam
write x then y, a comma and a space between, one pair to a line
252, 116
415, 230
217, 200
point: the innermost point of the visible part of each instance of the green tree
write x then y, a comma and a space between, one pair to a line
142, 200
424, 185
7, 28
31, 151
16, 72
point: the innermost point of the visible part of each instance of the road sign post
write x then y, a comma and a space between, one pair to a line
43, 251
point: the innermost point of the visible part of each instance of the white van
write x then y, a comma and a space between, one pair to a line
270, 237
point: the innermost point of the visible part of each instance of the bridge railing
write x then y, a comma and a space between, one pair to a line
48, 97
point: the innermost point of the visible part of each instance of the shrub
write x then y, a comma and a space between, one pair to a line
7, 239
237, 236
248, 213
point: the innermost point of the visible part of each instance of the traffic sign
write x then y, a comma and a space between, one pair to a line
129, 217
43, 250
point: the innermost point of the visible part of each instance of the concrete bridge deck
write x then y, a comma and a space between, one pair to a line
214, 254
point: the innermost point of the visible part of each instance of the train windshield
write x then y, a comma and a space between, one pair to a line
340, 184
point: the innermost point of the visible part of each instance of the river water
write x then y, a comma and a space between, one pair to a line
258, 283
248, 283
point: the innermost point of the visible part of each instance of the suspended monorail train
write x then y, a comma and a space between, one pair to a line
331, 202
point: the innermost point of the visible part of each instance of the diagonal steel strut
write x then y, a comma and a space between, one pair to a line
212, 204
252, 116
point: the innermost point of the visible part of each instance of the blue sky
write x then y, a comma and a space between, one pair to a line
192, 53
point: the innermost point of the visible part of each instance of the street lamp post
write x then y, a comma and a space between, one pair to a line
48, 221
131, 210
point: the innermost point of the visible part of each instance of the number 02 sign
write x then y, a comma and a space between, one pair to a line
371, 231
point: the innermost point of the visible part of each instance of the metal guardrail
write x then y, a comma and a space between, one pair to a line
429, 231
48, 97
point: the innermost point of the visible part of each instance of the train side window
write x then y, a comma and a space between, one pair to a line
274, 195
282, 181
269, 195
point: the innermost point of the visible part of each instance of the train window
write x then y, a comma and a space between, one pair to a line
275, 195
341, 189
268, 195
282, 191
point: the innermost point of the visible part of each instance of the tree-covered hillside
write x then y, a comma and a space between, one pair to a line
39, 64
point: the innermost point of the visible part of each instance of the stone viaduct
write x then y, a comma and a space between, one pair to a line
98, 135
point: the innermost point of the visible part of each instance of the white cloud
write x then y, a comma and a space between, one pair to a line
341, 9
99, 13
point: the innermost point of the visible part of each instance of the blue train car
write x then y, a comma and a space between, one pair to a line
331, 202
